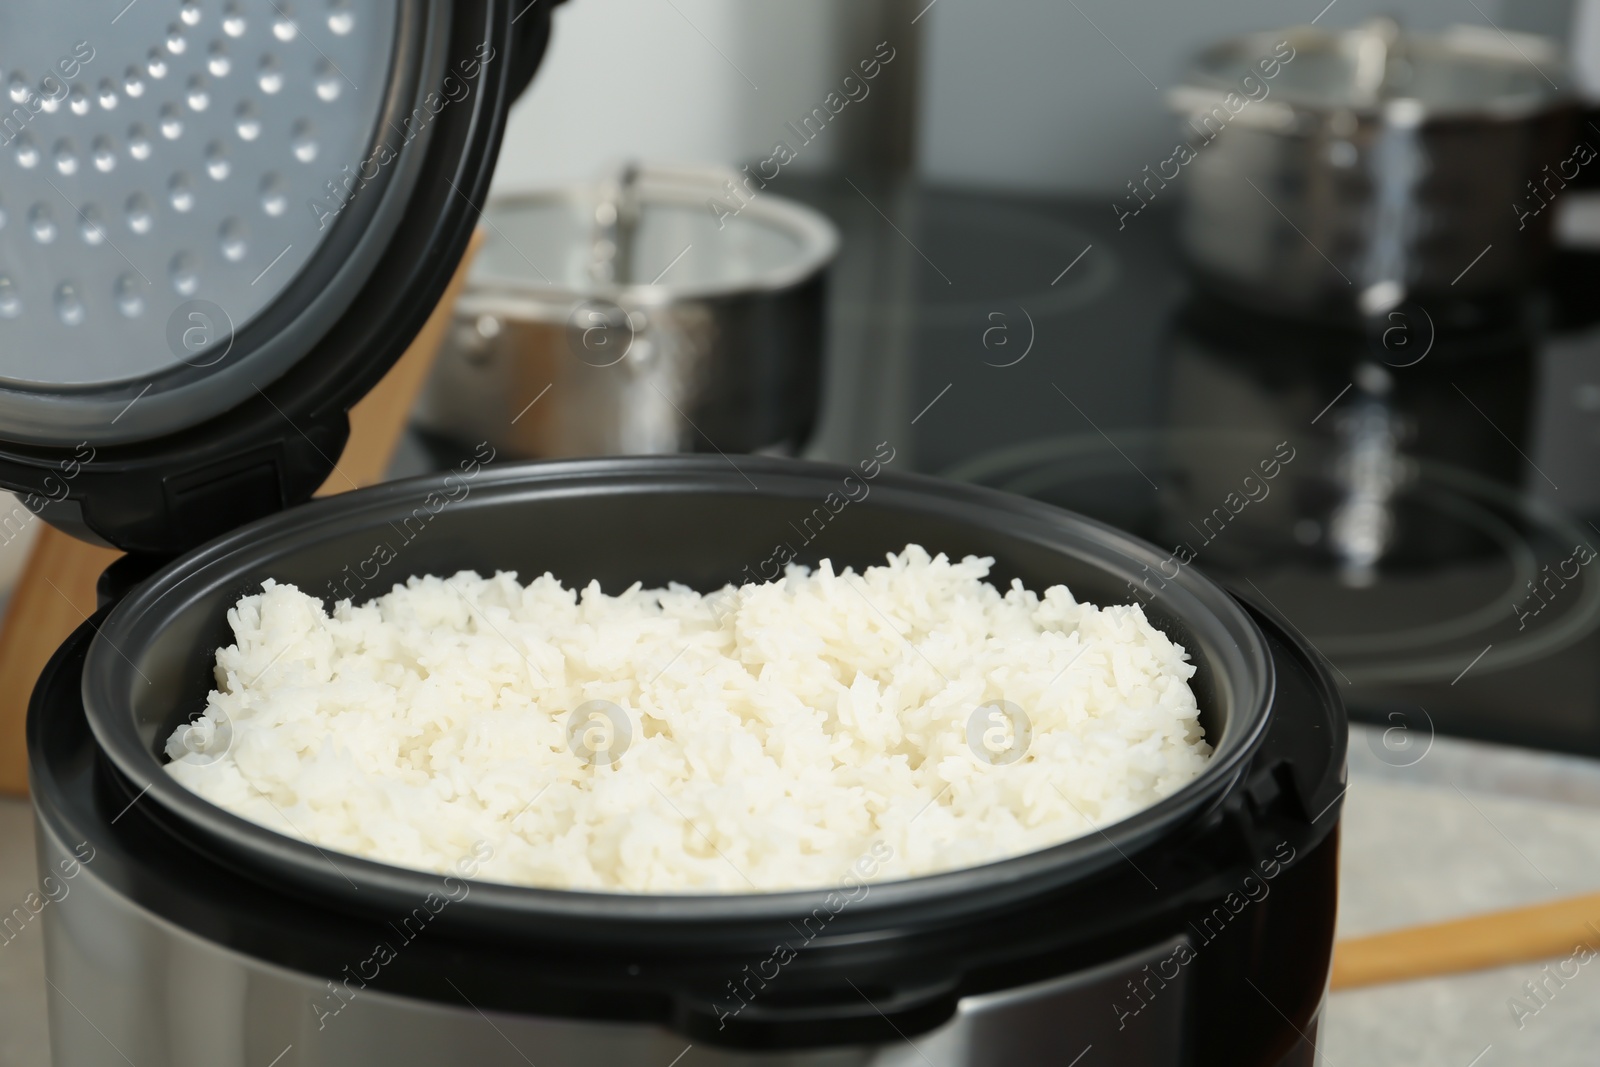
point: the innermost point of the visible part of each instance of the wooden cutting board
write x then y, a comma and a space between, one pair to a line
1553, 930
56, 590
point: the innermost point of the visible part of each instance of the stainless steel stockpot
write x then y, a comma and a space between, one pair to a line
669, 310
1340, 174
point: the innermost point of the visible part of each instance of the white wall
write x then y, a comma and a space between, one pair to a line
699, 81
1022, 94
1027, 94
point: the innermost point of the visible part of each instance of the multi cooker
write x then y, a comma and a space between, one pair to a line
1197, 931
155, 399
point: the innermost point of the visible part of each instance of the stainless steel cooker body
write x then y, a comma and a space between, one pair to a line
1372, 168
149, 992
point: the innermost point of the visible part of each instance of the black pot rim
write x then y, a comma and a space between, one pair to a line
110, 672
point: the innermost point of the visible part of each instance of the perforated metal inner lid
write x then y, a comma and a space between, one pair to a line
190, 195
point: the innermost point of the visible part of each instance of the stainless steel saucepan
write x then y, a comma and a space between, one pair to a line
1339, 174
662, 310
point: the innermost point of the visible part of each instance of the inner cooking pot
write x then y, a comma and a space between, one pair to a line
691, 519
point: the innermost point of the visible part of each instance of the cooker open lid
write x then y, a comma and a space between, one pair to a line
221, 221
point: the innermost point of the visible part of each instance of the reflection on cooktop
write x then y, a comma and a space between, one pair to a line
1416, 498
1466, 572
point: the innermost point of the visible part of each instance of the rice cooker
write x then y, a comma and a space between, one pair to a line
178, 390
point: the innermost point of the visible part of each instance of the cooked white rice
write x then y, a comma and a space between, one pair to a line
778, 731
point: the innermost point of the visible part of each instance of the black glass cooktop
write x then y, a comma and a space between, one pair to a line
1419, 498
